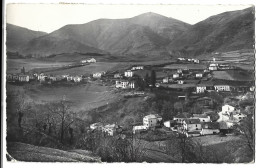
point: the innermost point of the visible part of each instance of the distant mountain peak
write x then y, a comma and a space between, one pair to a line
151, 14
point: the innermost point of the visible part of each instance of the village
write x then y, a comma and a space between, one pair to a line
184, 83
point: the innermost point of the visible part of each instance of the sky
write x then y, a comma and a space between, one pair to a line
50, 17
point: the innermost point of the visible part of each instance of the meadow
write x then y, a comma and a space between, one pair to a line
83, 96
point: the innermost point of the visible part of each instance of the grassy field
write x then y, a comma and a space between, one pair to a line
83, 97
188, 66
15, 65
235, 75
30, 153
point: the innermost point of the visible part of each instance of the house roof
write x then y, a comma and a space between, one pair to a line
153, 116
177, 86
192, 121
211, 125
200, 115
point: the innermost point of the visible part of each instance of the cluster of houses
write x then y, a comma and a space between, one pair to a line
190, 60
54, 78
127, 82
92, 60
197, 124
41, 77
109, 129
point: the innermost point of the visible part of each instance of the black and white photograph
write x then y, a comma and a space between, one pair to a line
102, 83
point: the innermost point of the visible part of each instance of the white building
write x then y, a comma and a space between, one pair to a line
152, 120
23, 78
199, 75
166, 80
176, 75
139, 128
222, 87
96, 126
137, 68
129, 73
125, 84
69, 78
196, 61
209, 128
201, 88
117, 75
77, 79
92, 60
83, 61
41, 77
180, 82
97, 75
110, 129
228, 109
202, 118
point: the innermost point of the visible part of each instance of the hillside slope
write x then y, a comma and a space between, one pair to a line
223, 32
30, 153
17, 36
143, 34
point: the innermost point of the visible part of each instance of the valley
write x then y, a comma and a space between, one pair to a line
144, 89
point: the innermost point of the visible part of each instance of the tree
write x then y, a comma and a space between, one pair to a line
147, 79
23, 70
178, 106
63, 116
153, 78
167, 110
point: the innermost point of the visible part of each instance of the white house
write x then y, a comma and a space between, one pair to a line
197, 61
152, 120
228, 109
83, 61
110, 129
199, 75
178, 120
176, 75
92, 60
181, 59
69, 78
97, 75
166, 80
77, 78
139, 128
191, 124
238, 117
179, 71
125, 84
201, 117
41, 77
200, 88
96, 126
129, 73
117, 75
222, 87
170, 123
137, 68
180, 82
23, 78
209, 128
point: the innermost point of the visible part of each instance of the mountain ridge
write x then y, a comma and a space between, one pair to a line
150, 35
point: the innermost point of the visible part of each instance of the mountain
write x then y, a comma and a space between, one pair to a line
164, 26
144, 34
223, 32
17, 36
